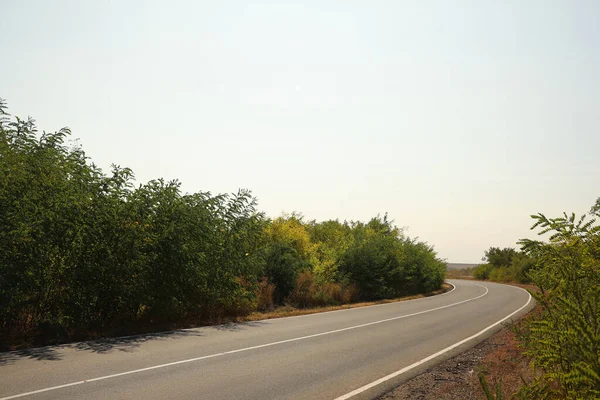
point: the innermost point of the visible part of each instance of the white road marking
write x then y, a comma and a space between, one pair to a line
431, 357
135, 371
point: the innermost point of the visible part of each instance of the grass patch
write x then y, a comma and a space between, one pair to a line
24, 342
289, 311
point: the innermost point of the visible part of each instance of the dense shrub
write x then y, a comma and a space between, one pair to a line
308, 292
482, 271
564, 340
505, 265
305, 292
425, 271
498, 257
502, 275
264, 295
81, 250
282, 265
331, 240
382, 263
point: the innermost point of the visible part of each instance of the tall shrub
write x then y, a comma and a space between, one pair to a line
564, 340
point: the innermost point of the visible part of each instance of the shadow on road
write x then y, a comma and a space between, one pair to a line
239, 326
126, 344
130, 343
40, 354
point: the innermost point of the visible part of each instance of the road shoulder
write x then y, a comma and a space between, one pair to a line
456, 378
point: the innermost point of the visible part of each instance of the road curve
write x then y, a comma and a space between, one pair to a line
354, 353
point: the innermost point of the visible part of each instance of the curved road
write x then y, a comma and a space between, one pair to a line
355, 353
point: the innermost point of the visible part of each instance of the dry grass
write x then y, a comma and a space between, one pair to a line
289, 311
459, 274
265, 295
309, 294
505, 365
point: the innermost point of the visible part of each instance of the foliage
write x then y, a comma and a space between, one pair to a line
80, 250
382, 263
505, 265
307, 293
289, 230
283, 263
482, 271
83, 251
265, 292
332, 239
498, 257
460, 273
486, 388
564, 340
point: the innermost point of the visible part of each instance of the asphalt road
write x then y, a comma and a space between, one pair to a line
355, 353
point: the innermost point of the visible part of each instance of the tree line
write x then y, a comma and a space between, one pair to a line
505, 265
84, 251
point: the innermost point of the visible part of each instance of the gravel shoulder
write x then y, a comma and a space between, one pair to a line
457, 378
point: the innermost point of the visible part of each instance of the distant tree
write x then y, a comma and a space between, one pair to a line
483, 271
499, 257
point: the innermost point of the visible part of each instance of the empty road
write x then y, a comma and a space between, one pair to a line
355, 353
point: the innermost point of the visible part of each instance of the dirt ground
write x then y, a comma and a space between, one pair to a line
457, 378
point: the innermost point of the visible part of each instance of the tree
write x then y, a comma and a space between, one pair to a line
331, 240
82, 251
499, 257
288, 251
382, 263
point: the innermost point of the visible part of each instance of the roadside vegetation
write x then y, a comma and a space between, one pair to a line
83, 253
460, 273
562, 336
505, 265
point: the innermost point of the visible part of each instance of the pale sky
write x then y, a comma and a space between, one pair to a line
458, 118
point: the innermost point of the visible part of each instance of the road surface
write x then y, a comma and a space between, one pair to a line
355, 353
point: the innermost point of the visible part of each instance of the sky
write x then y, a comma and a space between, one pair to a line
457, 118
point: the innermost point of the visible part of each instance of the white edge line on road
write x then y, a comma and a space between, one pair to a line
431, 357
135, 371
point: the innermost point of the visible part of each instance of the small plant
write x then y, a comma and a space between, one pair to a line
264, 295
486, 388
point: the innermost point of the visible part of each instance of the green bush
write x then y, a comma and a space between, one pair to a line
564, 340
283, 263
383, 264
373, 264
482, 271
83, 251
505, 265
522, 264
